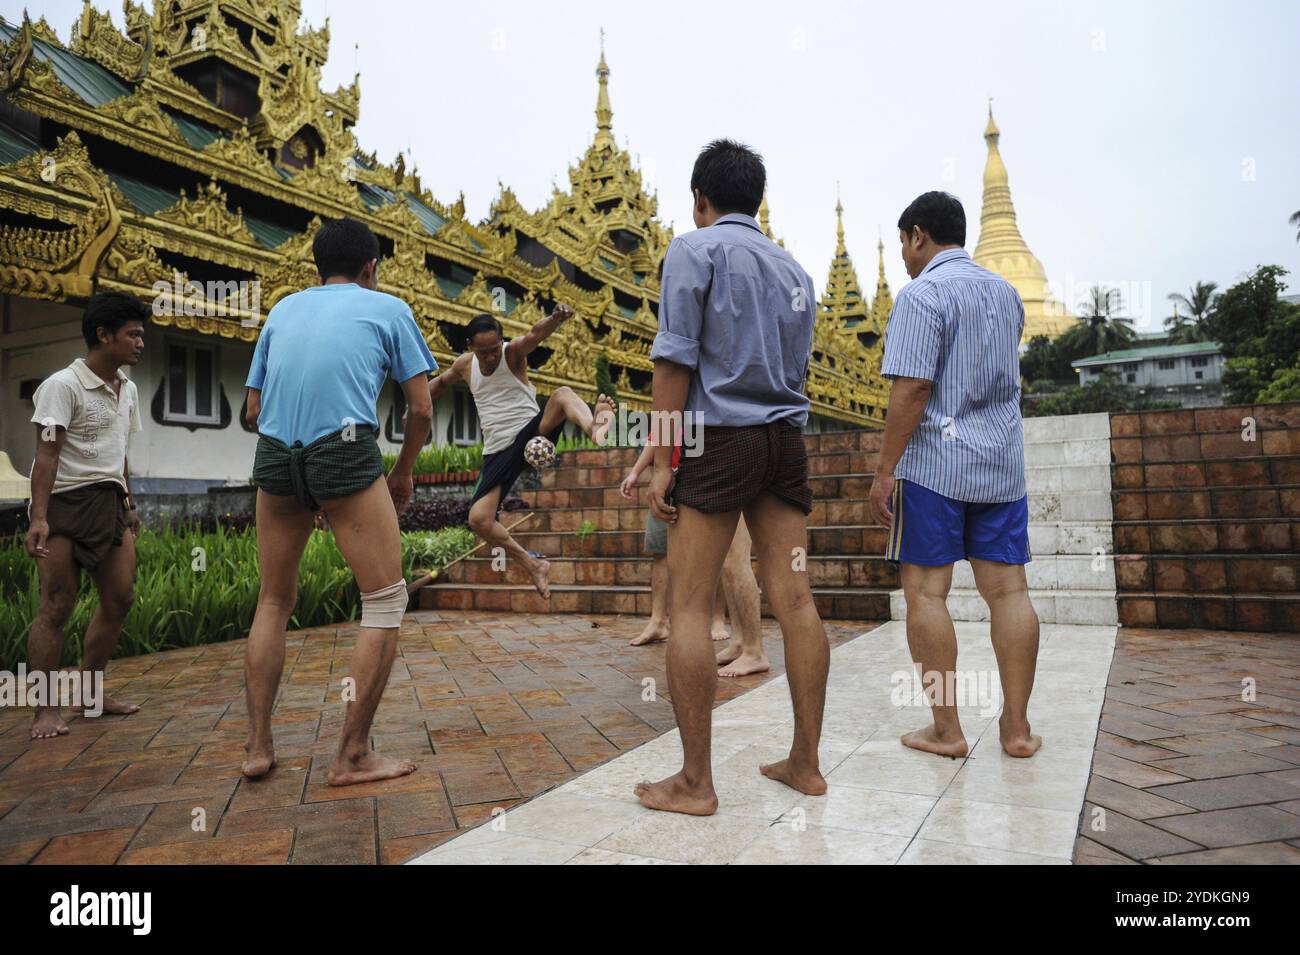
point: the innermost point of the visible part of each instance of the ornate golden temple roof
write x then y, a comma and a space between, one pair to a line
196, 141
1003, 250
849, 335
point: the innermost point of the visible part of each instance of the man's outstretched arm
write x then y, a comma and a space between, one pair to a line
520, 347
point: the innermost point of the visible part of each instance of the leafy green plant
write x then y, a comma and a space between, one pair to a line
195, 587
444, 459
585, 530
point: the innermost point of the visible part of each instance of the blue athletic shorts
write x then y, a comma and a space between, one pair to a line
933, 530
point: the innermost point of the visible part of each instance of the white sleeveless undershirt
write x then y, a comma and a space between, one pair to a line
505, 404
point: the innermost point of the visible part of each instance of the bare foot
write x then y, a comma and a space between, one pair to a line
730, 652
48, 724
259, 763
674, 795
114, 707
540, 571
745, 665
603, 418
1018, 741
654, 632
367, 768
720, 631
929, 740
807, 781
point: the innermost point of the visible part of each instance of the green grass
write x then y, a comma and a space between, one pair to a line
177, 605
444, 459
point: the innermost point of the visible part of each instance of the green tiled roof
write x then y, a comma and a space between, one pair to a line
269, 234
151, 199
87, 79
374, 196
146, 197
14, 145
1156, 351
431, 221
196, 134
452, 288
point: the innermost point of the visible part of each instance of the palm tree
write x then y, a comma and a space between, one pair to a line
1295, 221
1100, 329
1196, 308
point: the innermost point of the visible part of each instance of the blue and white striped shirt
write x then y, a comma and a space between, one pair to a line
959, 326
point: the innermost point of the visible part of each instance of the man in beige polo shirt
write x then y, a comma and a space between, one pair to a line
82, 516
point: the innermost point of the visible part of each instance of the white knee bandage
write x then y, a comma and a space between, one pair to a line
384, 608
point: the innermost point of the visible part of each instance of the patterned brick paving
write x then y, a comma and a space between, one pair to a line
494, 708
1185, 770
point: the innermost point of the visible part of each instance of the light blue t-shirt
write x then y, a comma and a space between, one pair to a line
324, 354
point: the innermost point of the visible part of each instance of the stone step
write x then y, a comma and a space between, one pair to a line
608, 571
1257, 471
851, 540
1259, 535
845, 497
1207, 502
1182, 446
1206, 420
1264, 613
844, 522
567, 473
1053, 606
1209, 573
838, 603
1075, 572
1068, 427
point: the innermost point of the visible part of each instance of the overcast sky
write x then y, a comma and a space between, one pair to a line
1149, 144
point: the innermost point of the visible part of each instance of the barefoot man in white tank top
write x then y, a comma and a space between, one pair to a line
497, 372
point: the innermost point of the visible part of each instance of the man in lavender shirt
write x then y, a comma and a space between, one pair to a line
736, 315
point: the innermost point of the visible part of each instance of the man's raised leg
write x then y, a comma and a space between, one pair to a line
365, 528
744, 656
565, 404
933, 641
779, 529
656, 628
1014, 627
60, 578
114, 581
483, 522
283, 526
697, 545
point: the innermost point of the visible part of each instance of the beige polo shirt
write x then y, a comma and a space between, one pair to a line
98, 424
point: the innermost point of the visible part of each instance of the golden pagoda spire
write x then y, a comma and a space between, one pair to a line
840, 248
604, 114
843, 299
1002, 249
883, 303
764, 223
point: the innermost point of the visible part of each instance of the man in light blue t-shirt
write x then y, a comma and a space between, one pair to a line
319, 365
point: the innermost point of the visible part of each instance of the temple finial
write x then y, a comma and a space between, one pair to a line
604, 113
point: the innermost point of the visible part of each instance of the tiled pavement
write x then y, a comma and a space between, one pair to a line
885, 803
1186, 770
493, 707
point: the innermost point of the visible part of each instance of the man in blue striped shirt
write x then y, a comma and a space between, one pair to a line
950, 482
